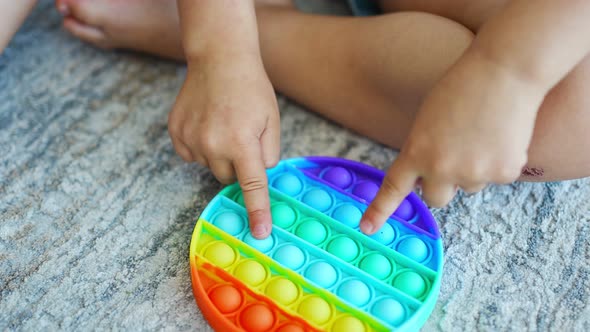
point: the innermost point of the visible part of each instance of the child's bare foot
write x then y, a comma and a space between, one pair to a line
150, 26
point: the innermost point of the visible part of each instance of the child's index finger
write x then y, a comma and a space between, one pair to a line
397, 184
251, 175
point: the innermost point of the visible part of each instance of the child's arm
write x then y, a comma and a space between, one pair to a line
475, 126
12, 15
226, 116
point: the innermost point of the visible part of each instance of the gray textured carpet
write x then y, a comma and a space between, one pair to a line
97, 210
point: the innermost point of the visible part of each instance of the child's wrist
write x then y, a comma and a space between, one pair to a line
199, 56
529, 75
484, 66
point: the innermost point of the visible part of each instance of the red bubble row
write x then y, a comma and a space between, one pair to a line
233, 303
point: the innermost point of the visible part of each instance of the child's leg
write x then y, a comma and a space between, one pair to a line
12, 15
369, 74
470, 13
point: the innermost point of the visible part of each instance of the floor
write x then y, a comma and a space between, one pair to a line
96, 209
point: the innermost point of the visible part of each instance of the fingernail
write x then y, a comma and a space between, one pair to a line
259, 231
366, 227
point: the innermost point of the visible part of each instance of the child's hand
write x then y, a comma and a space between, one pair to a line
226, 118
474, 128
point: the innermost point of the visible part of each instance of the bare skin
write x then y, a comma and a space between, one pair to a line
13, 15
371, 85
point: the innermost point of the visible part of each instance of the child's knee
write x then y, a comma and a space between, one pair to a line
558, 150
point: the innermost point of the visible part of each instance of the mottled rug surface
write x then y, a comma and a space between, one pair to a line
97, 211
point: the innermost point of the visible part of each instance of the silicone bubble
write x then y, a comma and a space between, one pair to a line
290, 256
220, 253
385, 234
288, 184
312, 231
318, 199
405, 210
366, 190
230, 222
376, 265
344, 248
226, 298
264, 245
348, 214
282, 290
389, 310
410, 283
251, 272
348, 324
315, 309
355, 292
322, 273
338, 176
413, 248
257, 318
283, 215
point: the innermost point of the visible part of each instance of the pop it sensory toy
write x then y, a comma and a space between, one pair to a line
317, 271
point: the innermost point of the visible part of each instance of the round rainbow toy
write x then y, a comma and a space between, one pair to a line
317, 271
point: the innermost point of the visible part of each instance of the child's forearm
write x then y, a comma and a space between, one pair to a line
12, 15
540, 41
218, 28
